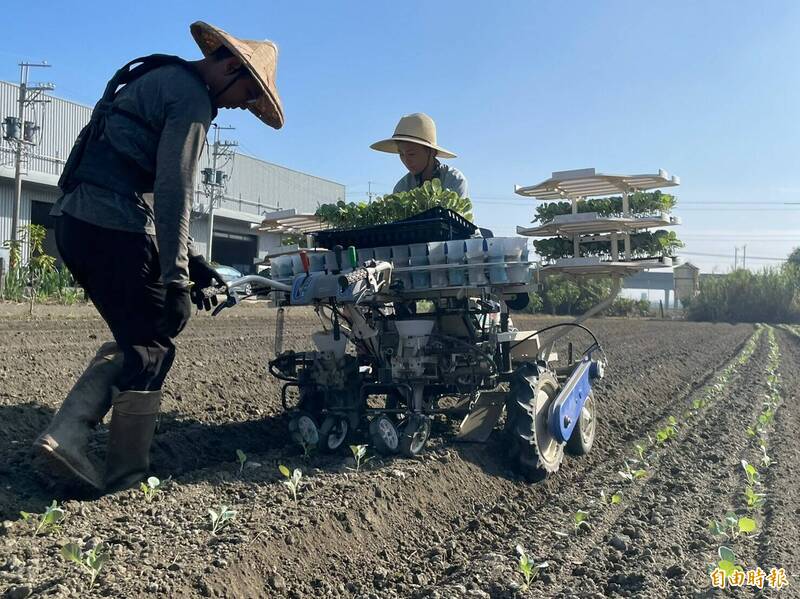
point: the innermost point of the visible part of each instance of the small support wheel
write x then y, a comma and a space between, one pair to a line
582, 438
384, 436
303, 429
333, 433
415, 435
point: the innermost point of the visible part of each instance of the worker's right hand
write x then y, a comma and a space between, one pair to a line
203, 276
177, 310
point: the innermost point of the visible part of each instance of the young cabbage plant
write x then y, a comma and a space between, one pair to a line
242, 458
640, 449
754, 499
359, 451
766, 461
528, 569
612, 500
220, 518
49, 521
580, 520
751, 472
91, 562
292, 481
632, 475
727, 561
150, 488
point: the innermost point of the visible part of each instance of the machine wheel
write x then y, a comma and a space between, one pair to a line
384, 436
534, 450
415, 435
582, 438
333, 433
303, 429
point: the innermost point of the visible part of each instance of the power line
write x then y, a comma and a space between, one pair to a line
728, 256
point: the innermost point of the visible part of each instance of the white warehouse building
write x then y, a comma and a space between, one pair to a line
253, 188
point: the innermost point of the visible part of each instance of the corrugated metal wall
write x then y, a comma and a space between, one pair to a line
7, 209
255, 186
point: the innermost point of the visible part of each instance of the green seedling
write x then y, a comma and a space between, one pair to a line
580, 519
751, 473
527, 568
632, 475
747, 525
359, 451
292, 481
727, 561
640, 449
220, 518
698, 404
766, 461
242, 458
90, 562
668, 432
49, 521
754, 500
150, 488
613, 500
751, 432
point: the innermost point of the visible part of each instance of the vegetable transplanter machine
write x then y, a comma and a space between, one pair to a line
415, 325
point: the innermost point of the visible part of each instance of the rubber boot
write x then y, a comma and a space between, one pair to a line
133, 423
62, 447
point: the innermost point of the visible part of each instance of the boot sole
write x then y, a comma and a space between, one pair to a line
57, 465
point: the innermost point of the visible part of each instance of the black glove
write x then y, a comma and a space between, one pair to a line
177, 310
203, 277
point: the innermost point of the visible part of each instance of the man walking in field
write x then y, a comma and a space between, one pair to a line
122, 228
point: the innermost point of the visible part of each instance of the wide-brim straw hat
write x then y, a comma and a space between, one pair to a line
417, 128
260, 58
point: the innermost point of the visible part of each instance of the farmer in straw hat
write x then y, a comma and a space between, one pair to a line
414, 140
122, 229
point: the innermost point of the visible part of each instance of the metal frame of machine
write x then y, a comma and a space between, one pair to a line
460, 358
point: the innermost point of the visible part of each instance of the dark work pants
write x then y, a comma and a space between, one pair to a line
121, 274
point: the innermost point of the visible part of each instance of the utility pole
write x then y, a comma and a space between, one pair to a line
744, 256
735, 257
369, 192
214, 180
22, 134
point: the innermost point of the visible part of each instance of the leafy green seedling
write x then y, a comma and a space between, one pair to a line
716, 528
359, 451
242, 458
727, 561
91, 562
747, 525
292, 481
640, 449
527, 568
754, 500
49, 521
766, 461
581, 519
751, 432
632, 475
150, 488
750, 472
698, 404
613, 500
220, 518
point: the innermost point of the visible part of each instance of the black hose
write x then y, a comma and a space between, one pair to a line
555, 326
471, 348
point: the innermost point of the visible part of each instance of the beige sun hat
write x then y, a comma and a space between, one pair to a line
260, 58
417, 128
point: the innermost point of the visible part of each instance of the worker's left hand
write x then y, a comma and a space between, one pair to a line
177, 310
202, 275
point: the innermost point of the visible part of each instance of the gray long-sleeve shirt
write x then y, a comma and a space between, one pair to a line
450, 177
178, 105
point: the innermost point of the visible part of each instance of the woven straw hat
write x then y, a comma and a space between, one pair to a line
417, 128
260, 58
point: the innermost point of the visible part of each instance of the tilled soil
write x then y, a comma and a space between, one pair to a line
443, 525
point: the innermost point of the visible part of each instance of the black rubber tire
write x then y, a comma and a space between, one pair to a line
524, 452
582, 438
295, 429
333, 434
379, 442
414, 435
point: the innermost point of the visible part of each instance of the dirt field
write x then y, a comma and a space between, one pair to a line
443, 525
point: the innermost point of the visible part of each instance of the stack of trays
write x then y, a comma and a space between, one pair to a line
473, 262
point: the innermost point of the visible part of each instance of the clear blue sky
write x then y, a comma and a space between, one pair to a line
709, 91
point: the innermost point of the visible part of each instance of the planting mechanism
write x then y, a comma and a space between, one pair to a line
415, 325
